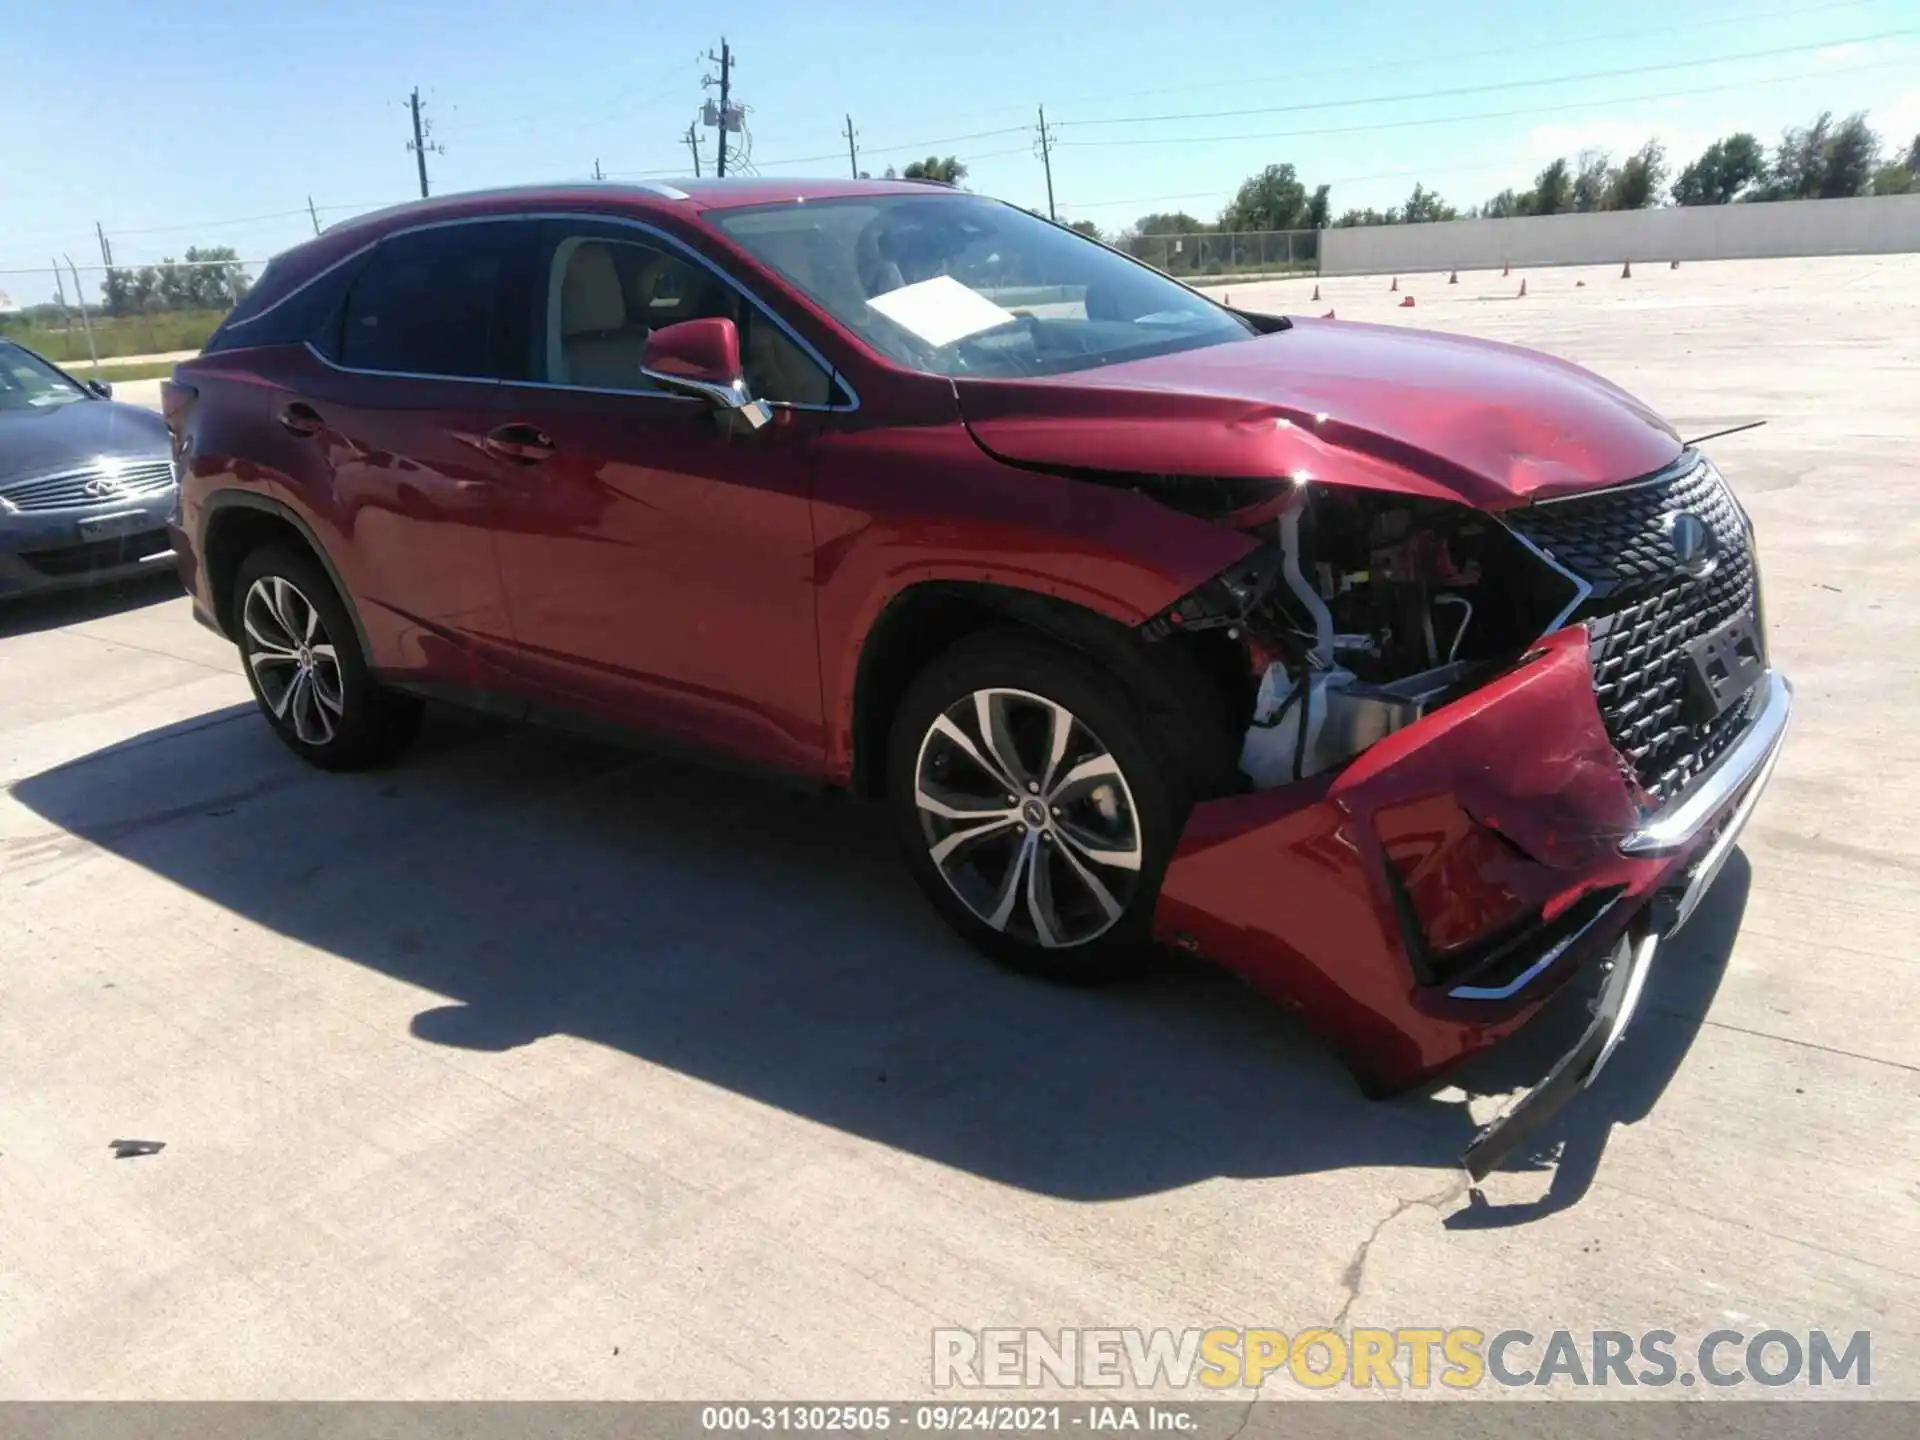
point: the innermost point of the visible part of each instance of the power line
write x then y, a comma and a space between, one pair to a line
1458, 91
906, 146
1596, 103
1425, 61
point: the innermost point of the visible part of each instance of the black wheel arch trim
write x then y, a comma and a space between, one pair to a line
223, 500
1107, 643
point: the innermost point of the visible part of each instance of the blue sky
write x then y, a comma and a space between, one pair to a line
174, 133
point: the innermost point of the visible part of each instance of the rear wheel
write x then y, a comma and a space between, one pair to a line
1034, 810
306, 668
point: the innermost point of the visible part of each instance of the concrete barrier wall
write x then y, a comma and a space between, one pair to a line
1876, 225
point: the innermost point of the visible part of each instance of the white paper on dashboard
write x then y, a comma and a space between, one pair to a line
941, 310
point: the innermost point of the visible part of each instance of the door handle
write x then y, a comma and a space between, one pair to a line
520, 443
300, 418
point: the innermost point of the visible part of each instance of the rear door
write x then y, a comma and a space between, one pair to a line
432, 325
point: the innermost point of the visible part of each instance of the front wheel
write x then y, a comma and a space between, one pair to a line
304, 663
1034, 810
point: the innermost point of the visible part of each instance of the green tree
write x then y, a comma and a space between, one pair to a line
1369, 216
1170, 222
1638, 183
1725, 170
116, 292
1319, 206
1085, 227
1592, 181
1852, 156
948, 171
1824, 161
1272, 200
1424, 206
1552, 190
1505, 205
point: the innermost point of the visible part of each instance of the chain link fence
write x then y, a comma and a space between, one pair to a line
1229, 254
88, 316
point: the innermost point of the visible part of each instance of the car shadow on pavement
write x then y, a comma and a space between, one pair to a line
770, 942
26, 614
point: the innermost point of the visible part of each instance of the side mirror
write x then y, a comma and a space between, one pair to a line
702, 357
101, 388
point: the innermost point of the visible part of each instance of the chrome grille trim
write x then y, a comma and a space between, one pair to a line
68, 489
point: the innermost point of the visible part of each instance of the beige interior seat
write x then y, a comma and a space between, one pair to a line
597, 344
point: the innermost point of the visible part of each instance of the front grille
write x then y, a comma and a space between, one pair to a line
93, 555
1644, 611
100, 483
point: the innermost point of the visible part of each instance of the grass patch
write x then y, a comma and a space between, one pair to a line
152, 370
129, 335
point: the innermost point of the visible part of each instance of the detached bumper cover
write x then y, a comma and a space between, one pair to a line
1296, 888
1709, 819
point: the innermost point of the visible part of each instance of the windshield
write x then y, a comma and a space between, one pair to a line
28, 383
963, 285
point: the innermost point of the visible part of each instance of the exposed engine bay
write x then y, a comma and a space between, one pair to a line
1361, 613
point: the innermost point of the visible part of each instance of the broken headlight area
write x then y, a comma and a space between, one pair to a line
1362, 612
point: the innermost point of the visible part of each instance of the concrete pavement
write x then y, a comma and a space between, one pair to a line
530, 1068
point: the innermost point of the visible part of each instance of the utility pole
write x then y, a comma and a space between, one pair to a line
693, 144
853, 160
1046, 160
106, 250
80, 295
314, 215
726, 82
422, 130
596, 169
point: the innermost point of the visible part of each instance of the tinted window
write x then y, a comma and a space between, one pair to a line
607, 291
284, 316
447, 301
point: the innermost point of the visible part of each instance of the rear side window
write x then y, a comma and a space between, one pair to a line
271, 314
448, 301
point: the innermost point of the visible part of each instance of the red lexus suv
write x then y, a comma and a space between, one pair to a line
1408, 675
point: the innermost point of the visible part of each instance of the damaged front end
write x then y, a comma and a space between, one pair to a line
1435, 825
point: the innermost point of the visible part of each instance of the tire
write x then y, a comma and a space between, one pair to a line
1103, 806
305, 666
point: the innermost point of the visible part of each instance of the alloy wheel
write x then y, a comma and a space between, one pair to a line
1027, 817
293, 659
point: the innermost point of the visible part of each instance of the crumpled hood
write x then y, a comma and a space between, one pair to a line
1374, 405
33, 442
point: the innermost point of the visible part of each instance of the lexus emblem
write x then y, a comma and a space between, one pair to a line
1695, 550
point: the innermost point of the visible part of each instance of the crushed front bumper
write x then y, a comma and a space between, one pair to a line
1305, 891
1705, 824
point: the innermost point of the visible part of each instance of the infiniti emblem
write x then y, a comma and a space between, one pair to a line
1693, 542
101, 486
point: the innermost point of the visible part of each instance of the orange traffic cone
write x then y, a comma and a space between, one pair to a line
1226, 298
1316, 293
1407, 304
1673, 265
1327, 316
1579, 284
1506, 270
1395, 287
1626, 270
1454, 278
1523, 289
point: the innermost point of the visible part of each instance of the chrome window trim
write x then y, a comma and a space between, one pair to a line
834, 376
